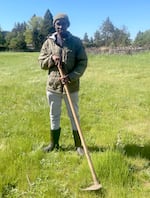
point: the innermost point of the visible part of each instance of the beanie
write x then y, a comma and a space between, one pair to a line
61, 16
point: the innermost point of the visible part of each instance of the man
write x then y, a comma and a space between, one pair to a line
62, 47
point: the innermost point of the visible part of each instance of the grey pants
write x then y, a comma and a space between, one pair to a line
55, 102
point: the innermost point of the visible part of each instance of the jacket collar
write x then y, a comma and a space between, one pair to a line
54, 35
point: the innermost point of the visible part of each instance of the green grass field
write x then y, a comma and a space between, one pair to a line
115, 120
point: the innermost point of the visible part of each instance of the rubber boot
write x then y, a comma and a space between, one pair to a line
77, 142
54, 144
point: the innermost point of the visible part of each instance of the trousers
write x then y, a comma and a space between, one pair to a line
55, 103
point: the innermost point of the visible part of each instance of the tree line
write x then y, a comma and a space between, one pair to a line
110, 36
30, 35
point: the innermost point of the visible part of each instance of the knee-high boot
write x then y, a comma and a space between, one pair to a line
54, 136
77, 142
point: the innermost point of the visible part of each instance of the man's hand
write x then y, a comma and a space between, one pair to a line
65, 79
56, 59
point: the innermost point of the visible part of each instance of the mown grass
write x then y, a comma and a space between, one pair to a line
114, 111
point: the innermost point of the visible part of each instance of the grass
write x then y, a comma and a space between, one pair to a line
114, 111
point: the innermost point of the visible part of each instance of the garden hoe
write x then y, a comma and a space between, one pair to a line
96, 185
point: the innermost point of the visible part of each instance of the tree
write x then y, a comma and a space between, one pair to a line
142, 39
85, 40
147, 38
33, 32
2, 39
121, 37
110, 36
19, 30
47, 25
28, 36
13, 45
19, 27
9, 36
97, 39
106, 32
15, 39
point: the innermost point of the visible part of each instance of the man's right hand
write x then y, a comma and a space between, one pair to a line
56, 59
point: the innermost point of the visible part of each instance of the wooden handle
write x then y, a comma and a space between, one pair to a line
95, 180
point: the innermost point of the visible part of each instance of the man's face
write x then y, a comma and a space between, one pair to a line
61, 26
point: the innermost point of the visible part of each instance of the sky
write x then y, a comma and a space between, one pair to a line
86, 16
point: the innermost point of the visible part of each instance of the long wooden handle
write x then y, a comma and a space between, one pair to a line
95, 180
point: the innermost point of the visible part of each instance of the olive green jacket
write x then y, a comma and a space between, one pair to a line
74, 62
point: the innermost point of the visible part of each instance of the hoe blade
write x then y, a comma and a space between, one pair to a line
93, 187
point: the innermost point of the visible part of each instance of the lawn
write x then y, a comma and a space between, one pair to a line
115, 122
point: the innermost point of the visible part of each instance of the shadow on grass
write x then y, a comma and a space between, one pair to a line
97, 149
134, 150
90, 148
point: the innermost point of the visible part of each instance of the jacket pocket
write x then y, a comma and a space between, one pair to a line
69, 56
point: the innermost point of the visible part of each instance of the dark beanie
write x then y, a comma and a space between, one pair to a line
61, 16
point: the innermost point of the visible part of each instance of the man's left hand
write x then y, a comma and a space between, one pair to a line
65, 79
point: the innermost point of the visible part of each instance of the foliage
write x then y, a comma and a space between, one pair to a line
97, 39
2, 39
142, 39
29, 35
111, 36
33, 32
15, 40
114, 112
47, 26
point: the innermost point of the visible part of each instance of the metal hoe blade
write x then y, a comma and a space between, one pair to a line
93, 187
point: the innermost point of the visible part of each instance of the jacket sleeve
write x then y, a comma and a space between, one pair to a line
44, 58
80, 61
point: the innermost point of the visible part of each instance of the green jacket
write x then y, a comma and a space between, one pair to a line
74, 62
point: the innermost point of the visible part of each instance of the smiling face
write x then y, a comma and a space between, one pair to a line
61, 26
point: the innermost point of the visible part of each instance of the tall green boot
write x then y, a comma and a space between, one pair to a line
54, 136
77, 142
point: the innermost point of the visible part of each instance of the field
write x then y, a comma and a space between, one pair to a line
115, 121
